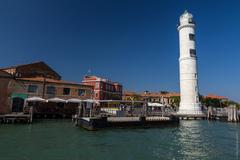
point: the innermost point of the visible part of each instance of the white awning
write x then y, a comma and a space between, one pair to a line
74, 100
122, 101
155, 104
91, 101
35, 99
57, 100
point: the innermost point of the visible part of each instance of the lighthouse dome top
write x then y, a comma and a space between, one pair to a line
186, 15
186, 19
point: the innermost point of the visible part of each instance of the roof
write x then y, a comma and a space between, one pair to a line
4, 74
130, 93
20, 65
48, 80
94, 78
186, 14
215, 96
158, 94
29, 64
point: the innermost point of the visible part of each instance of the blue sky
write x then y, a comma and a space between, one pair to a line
134, 42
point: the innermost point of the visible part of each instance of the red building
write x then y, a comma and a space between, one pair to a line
104, 89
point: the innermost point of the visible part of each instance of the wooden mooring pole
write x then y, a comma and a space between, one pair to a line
209, 113
232, 114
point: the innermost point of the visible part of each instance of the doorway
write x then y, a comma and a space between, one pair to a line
17, 104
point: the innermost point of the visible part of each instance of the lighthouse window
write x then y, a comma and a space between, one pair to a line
192, 52
190, 20
197, 99
191, 37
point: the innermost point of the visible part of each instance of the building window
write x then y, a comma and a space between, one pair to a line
192, 52
97, 85
66, 91
51, 90
192, 37
32, 88
81, 92
88, 92
197, 99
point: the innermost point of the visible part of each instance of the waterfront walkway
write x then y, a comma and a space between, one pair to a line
15, 118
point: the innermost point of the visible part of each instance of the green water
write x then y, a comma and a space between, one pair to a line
60, 140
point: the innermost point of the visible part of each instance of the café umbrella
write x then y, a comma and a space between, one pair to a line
91, 101
74, 100
35, 99
57, 100
155, 104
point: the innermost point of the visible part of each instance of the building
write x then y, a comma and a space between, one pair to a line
131, 96
37, 80
5, 80
189, 103
104, 89
166, 98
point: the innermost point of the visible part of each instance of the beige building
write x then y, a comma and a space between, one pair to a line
165, 98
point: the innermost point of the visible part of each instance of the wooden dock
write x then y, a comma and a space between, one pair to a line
95, 123
191, 116
213, 116
15, 118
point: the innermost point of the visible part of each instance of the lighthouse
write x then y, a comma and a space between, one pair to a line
189, 94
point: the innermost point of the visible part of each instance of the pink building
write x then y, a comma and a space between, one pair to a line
104, 89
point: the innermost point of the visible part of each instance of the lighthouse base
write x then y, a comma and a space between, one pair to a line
190, 109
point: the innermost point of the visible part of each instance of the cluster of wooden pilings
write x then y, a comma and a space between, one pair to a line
229, 115
232, 114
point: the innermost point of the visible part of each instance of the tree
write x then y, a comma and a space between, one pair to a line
213, 102
134, 98
175, 101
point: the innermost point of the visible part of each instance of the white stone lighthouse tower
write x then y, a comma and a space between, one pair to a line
189, 103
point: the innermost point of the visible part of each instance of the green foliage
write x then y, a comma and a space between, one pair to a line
211, 102
175, 101
134, 98
218, 102
234, 103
